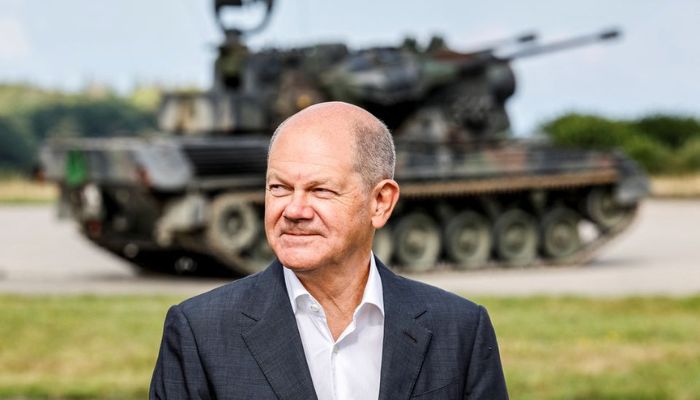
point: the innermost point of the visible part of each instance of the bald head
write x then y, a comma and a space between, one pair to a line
373, 147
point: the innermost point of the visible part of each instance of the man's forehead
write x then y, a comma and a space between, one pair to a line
315, 128
314, 138
332, 118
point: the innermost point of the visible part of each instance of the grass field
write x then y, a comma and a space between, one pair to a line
676, 186
21, 191
552, 348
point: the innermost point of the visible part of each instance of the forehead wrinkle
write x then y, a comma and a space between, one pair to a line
308, 159
308, 179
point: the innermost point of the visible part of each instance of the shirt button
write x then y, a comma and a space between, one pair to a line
314, 307
335, 349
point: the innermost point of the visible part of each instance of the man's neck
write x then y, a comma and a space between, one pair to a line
339, 290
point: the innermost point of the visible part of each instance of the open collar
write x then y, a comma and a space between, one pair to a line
373, 292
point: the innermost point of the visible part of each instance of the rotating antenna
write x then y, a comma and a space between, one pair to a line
222, 7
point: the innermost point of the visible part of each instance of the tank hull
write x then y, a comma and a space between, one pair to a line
481, 205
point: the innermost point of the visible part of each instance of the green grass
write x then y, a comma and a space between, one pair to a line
569, 348
79, 347
552, 348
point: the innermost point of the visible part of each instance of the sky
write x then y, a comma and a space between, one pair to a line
654, 67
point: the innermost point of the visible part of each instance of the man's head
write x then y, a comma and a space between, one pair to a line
329, 185
373, 145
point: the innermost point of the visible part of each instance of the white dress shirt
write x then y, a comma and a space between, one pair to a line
350, 367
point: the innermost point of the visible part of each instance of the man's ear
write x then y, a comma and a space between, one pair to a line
384, 197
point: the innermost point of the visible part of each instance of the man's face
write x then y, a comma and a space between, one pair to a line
316, 206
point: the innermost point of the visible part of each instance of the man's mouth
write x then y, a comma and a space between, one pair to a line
299, 233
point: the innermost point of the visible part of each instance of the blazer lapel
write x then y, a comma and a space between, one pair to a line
273, 339
405, 340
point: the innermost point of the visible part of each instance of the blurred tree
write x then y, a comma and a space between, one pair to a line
16, 146
661, 144
672, 130
18, 97
589, 131
653, 156
28, 115
110, 116
689, 155
145, 97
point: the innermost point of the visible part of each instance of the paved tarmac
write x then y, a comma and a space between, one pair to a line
658, 255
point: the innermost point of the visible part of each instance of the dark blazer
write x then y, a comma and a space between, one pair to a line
241, 341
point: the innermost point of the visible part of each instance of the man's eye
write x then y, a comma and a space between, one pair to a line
323, 192
278, 190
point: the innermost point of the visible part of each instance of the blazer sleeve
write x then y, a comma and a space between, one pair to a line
485, 378
178, 373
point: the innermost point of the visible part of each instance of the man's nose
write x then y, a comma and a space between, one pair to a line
299, 207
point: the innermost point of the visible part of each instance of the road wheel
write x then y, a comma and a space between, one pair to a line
604, 210
468, 240
559, 234
416, 242
233, 225
257, 257
515, 237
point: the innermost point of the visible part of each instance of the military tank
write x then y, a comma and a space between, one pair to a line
472, 195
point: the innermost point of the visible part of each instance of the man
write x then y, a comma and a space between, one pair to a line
327, 320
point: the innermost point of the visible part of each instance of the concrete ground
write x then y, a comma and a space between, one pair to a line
658, 255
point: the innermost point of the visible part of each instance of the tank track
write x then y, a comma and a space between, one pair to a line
583, 256
579, 182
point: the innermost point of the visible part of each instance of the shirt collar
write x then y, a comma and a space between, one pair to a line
373, 293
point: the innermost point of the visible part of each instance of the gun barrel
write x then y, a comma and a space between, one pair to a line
493, 45
528, 37
564, 44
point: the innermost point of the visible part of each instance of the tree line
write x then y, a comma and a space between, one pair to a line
661, 144
29, 115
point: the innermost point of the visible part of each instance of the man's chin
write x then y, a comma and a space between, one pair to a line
299, 259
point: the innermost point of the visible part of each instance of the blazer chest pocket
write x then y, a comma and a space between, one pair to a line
448, 390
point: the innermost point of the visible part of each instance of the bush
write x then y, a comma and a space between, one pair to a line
588, 131
689, 156
674, 131
28, 115
16, 147
653, 156
91, 118
661, 144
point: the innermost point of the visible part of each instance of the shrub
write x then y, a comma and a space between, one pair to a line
674, 131
16, 147
661, 144
689, 156
588, 131
28, 115
653, 156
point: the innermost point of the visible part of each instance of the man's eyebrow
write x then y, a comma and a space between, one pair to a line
314, 182
274, 175
320, 181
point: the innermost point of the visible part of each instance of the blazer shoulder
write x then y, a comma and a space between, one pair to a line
442, 303
220, 299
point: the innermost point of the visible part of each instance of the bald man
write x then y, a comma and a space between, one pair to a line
327, 320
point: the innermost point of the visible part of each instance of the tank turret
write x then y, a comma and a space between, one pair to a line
466, 91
